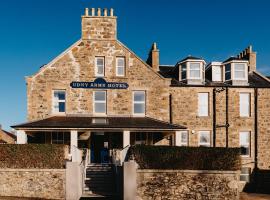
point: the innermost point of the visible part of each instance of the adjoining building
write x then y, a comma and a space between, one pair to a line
6, 137
100, 95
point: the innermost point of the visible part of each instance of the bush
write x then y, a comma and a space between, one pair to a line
43, 156
186, 158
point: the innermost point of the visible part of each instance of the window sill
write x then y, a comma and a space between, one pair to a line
246, 156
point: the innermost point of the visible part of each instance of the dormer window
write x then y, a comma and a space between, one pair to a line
191, 70
236, 71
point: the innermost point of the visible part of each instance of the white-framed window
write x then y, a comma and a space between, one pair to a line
245, 143
217, 73
240, 71
99, 66
203, 103
244, 104
139, 102
204, 139
245, 174
100, 102
59, 101
120, 66
183, 138
194, 70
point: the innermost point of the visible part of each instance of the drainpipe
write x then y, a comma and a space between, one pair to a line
170, 108
227, 118
256, 127
214, 117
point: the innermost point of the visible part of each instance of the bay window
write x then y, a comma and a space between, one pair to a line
240, 71
194, 71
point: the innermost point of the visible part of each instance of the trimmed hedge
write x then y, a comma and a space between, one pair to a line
186, 158
42, 156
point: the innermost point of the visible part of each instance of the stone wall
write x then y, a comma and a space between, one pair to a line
37, 183
187, 184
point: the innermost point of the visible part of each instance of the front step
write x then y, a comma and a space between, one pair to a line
99, 182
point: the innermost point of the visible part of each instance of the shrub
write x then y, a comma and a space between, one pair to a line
43, 156
186, 158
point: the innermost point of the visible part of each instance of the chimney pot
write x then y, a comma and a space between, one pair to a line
98, 12
105, 12
93, 12
155, 46
86, 12
111, 12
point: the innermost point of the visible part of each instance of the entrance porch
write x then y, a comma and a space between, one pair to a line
104, 140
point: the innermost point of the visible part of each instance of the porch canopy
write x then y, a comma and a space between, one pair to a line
99, 124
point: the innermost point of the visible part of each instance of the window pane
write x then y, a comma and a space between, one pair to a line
62, 107
99, 69
100, 61
139, 108
120, 71
100, 107
216, 70
184, 137
239, 74
100, 96
194, 66
203, 104
120, 62
245, 143
239, 67
194, 74
204, 138
244, 101
139, 96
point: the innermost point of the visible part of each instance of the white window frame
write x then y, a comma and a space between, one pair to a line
99, 101
138, 102
203, 104
54, 111
205, 144
200, 70
117, 66
244, 105
244, 143
245, 71
181, 143
96, 66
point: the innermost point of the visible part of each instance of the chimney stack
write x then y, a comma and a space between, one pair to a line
249, 55
153, 57
99, 25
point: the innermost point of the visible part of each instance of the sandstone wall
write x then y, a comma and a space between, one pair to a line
37, 183
186, 185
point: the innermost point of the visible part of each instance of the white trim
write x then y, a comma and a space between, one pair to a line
242, 104
203, 104
96, 67
116, 66
138, 102
99, 101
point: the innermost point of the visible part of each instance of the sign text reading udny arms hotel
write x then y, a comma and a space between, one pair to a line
99, 83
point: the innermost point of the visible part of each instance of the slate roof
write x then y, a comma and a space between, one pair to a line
190, 58
234, 58
119, 123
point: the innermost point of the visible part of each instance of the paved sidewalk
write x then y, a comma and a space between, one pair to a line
253, 196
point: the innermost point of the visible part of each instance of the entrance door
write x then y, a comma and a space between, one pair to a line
99, 149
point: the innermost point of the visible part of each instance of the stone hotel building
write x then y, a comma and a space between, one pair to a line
100, 95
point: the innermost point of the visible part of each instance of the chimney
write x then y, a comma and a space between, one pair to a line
100, 25
249, 55
153, 57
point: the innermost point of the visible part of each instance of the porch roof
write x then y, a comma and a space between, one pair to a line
99, 123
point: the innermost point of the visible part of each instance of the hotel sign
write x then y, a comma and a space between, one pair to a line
99, 83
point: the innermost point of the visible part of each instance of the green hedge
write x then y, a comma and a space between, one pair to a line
42, 156
186, 158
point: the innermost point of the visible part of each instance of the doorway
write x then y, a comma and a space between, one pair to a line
99, 148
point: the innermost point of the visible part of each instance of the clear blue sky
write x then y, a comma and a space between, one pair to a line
33, 32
